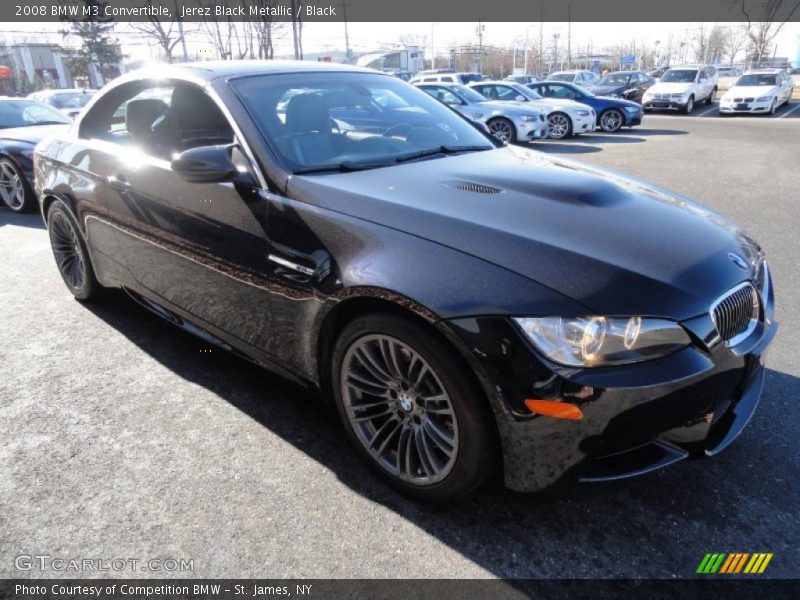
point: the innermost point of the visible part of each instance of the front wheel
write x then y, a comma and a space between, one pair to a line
503, 129
559, 126
15, 190
611, 121
69, 250
412, 409
689, 108
774, 106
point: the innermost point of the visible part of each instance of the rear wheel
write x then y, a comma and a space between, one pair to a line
559, 126
72, 258
410, 407
711, 97
611, 120
15, 190
502, 129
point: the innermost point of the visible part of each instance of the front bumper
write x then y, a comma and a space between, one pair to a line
584, 124
531, 130
665, 104
726, 106
636, 418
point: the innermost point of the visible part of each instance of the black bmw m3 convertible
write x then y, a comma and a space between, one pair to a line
469, 307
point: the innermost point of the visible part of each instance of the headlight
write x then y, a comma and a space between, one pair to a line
603, 341
632, 109
529, 118
764, 99
583, 113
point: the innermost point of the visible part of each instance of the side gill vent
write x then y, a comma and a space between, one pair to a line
475, 188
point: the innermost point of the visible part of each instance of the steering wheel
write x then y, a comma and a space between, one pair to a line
400, 130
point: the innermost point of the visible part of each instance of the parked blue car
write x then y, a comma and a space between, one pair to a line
612, 113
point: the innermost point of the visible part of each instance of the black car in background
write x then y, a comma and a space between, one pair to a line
467, 306
23, 124
630, 85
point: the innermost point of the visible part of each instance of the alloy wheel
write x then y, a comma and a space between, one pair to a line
12, 188
611, 121
774, 106
399, 409
67, 251
501, 129
689, 105
558, 125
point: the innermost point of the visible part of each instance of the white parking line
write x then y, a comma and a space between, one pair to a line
705, 112
788, 112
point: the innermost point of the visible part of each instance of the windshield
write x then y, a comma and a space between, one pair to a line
71, 99
467, 93
758, 79
562, 77
526, 91
679, 76
615, 79
22, 113
351, 121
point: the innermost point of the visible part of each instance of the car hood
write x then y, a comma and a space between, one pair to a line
33, 134
549, 105
670, 88
510, 106
751, 91
616, 245
604, 90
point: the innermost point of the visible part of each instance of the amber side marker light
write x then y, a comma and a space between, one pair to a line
551, 408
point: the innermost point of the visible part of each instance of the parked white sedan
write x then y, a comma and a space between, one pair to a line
761, 91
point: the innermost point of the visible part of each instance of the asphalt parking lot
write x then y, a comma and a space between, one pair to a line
123, 437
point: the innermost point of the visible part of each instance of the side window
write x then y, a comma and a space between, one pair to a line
505, 93
448, 79
429, 79
561, 91
159, 119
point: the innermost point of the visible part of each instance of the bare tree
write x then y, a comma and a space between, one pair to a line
167, 36
735, 42
708, 43
297, 29
265, 30
773, 15
231, 40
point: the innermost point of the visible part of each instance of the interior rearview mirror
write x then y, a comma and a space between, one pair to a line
205, 164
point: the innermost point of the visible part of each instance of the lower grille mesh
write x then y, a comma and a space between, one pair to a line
734, 312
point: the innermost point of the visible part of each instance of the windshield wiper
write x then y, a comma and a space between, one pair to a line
440, 150
342, 167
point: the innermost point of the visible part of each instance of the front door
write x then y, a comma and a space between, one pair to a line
200, 247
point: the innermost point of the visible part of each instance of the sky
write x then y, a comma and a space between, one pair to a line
364, 37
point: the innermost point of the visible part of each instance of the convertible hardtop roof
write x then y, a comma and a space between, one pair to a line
211, 70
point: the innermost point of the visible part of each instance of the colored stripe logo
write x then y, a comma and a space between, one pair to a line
731, 563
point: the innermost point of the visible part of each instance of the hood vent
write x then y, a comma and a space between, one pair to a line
475, 188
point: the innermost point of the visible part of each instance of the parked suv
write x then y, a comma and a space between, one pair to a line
681, 88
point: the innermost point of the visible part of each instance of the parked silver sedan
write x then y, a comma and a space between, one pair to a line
508, 121
760, 91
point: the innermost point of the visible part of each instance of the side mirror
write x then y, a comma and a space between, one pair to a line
205, 164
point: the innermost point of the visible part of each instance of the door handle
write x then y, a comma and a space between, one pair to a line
118, 182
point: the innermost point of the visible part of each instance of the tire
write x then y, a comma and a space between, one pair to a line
15, 190
503, 129
611, 120
711, 96
447, 442
773, 107
559, 126
70, 253
689, 106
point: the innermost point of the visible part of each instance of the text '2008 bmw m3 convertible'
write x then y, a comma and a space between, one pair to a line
468, 306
